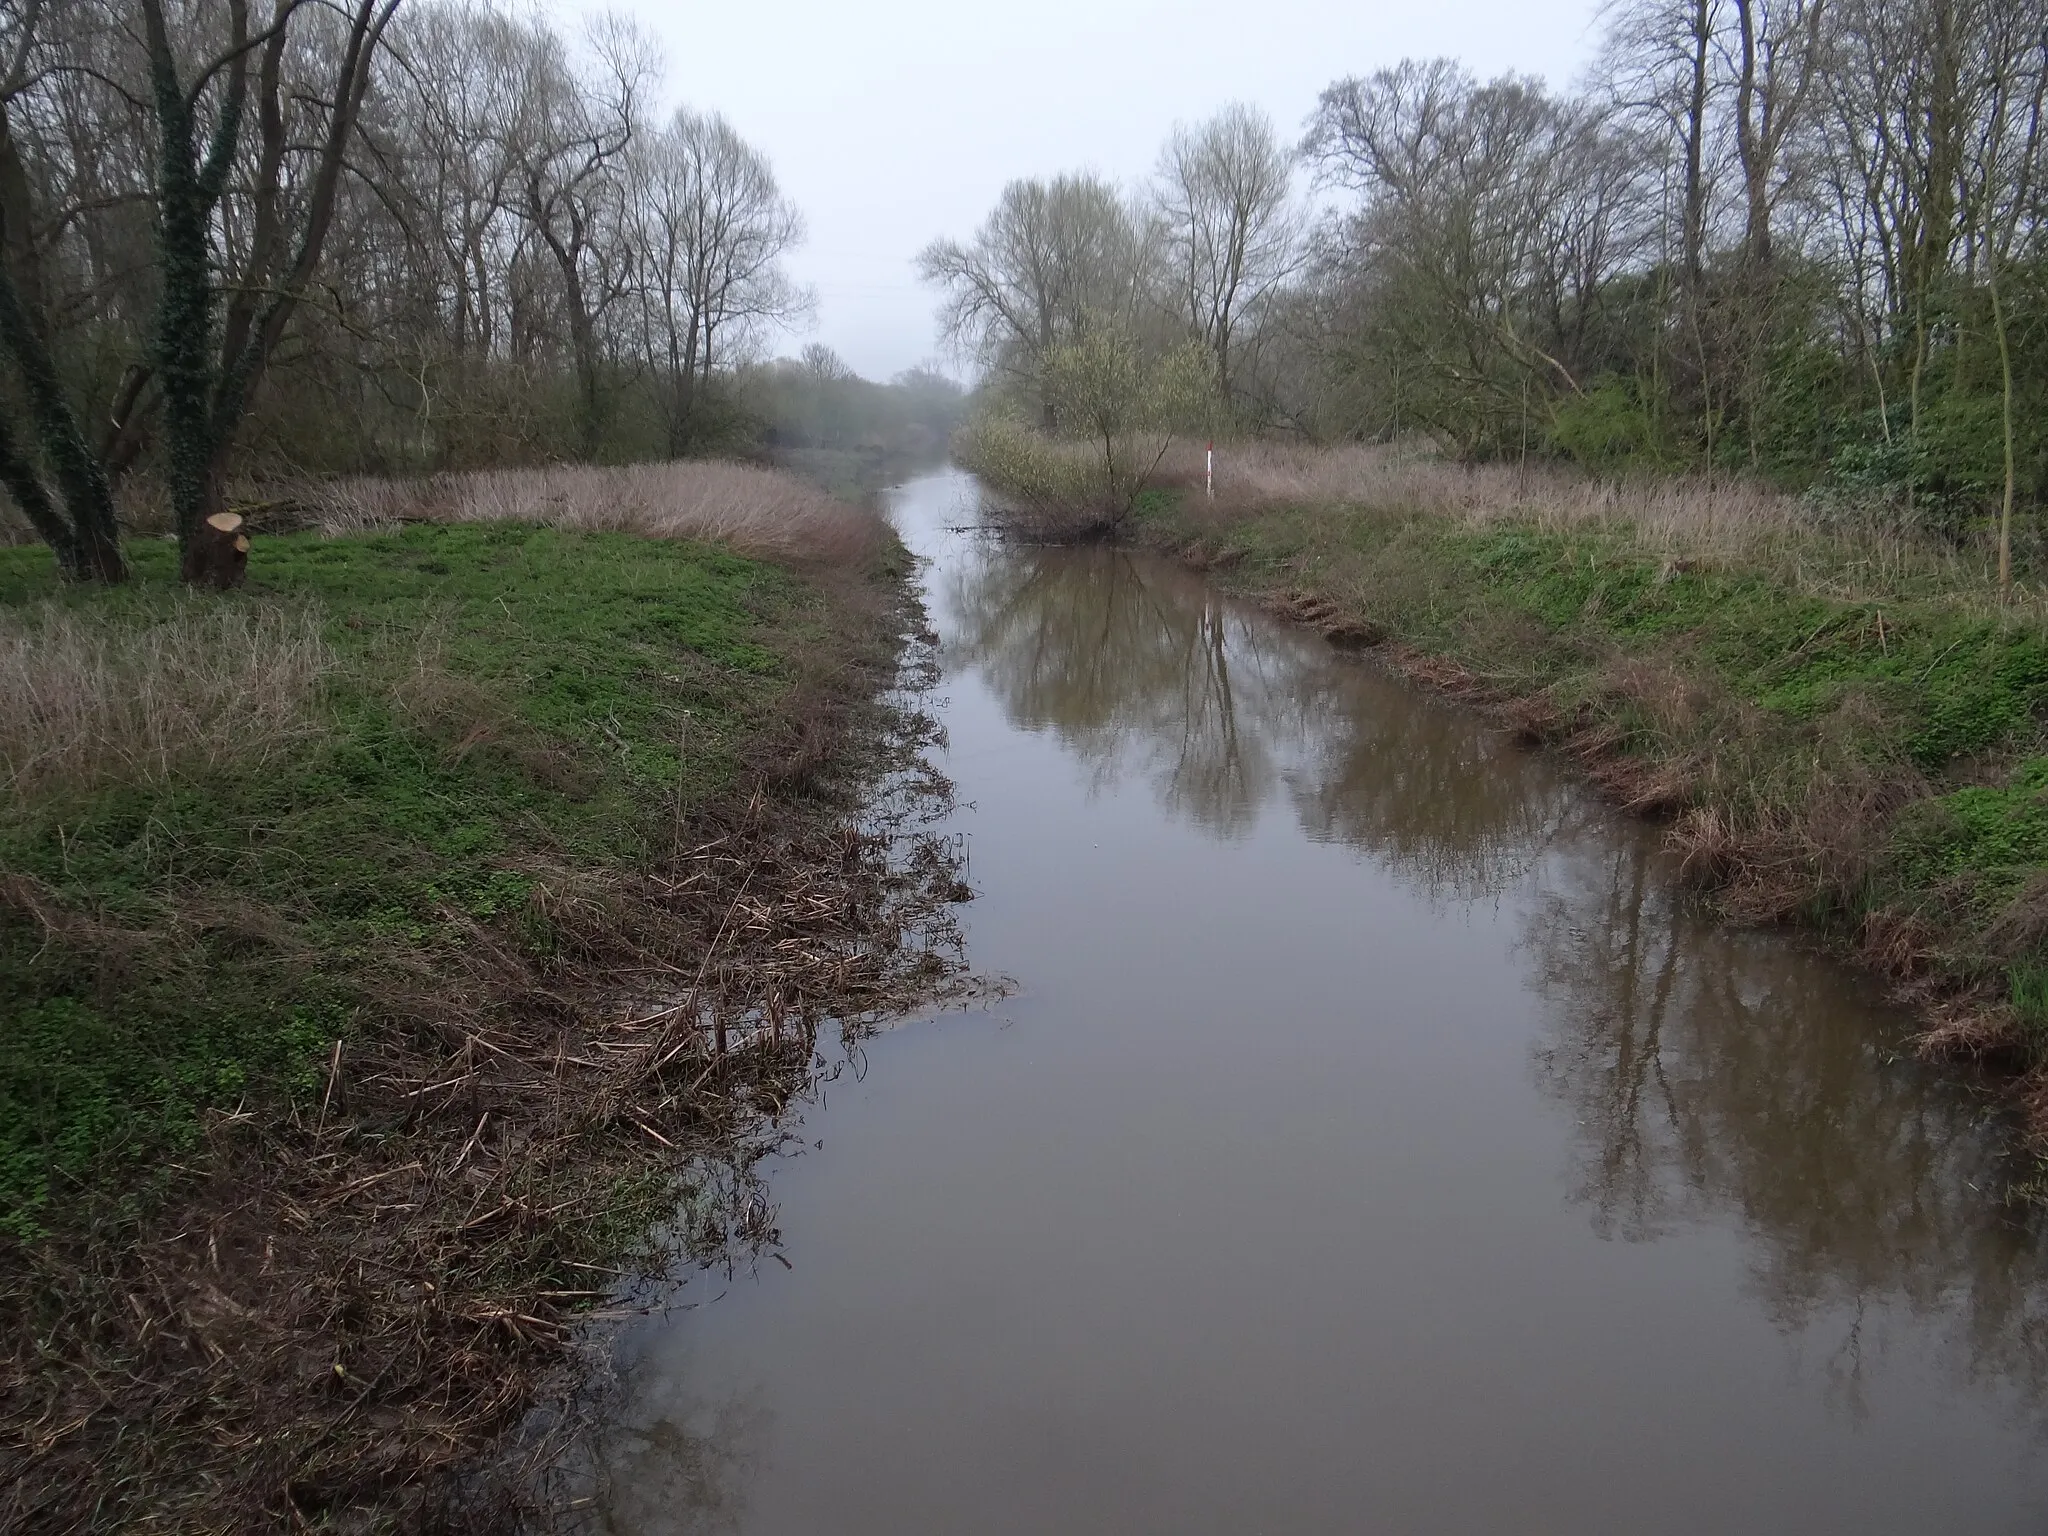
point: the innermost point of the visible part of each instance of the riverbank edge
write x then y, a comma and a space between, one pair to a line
1841, 859
339, 1306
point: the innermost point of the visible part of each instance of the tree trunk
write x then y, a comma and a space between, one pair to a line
589, 399
1694, 235
87, 540
1936, 233
2006, 423
217, 554
100, 557
582, 325
1752, 144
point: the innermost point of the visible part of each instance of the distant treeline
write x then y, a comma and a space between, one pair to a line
1800, 239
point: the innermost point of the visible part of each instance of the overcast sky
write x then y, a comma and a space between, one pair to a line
895, 122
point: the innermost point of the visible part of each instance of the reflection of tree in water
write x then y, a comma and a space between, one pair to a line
1711, 1070
1714, 1070
1453, 807
1126, 669
1140, 668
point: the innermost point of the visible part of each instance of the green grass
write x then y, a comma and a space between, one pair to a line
1962, 684
1978, 854
506, 694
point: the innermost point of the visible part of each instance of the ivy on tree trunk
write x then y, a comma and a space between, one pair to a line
208, 368
187, 190
80, 529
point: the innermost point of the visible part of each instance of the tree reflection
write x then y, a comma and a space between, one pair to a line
1711, 1073
1141, 669
1131, 672
1718, 1071
1451, 806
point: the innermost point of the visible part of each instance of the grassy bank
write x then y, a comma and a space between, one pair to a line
1841, 723
387, 951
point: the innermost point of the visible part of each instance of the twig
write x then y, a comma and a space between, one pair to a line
333, 1071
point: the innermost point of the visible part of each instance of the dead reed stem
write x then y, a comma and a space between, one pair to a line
84, 701
1729, 523
753, 511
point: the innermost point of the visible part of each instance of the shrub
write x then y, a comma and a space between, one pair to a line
1606, 427
1050, 489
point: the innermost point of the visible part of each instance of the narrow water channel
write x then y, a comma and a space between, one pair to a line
1375, 1143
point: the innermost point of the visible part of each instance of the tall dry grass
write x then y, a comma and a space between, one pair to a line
753, 511
86, 701
1856, 557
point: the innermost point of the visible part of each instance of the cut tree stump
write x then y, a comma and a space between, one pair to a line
219, 556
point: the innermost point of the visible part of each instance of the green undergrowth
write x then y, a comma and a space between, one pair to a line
503, 700
1780, 707
1960, 685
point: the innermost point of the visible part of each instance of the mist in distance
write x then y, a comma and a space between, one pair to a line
892, 125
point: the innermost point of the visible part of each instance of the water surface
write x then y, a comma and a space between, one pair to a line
1376, 1142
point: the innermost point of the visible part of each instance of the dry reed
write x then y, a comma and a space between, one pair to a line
85, 702
753, 511
1724, 522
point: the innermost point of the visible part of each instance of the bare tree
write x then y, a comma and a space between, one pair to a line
712, 230
1491, 219
570, 137
1053, 259
1223, 191
76, 515
239, 235
2002, 182
301, 152
1778, 55
1729, 90
102, 120
820, 363
444, 206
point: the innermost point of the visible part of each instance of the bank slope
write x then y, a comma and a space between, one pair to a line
1873, 764
386, 953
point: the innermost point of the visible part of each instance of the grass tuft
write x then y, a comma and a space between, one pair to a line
189, 686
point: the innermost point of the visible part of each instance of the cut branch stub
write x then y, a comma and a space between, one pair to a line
218, 555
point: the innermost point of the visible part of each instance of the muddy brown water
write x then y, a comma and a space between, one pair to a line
1376, 1142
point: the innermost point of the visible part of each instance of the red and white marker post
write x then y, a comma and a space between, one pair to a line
1209, 470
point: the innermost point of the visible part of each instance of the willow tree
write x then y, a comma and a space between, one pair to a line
1128, 402
1053, 261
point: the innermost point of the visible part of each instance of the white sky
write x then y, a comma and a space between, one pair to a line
895, 122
